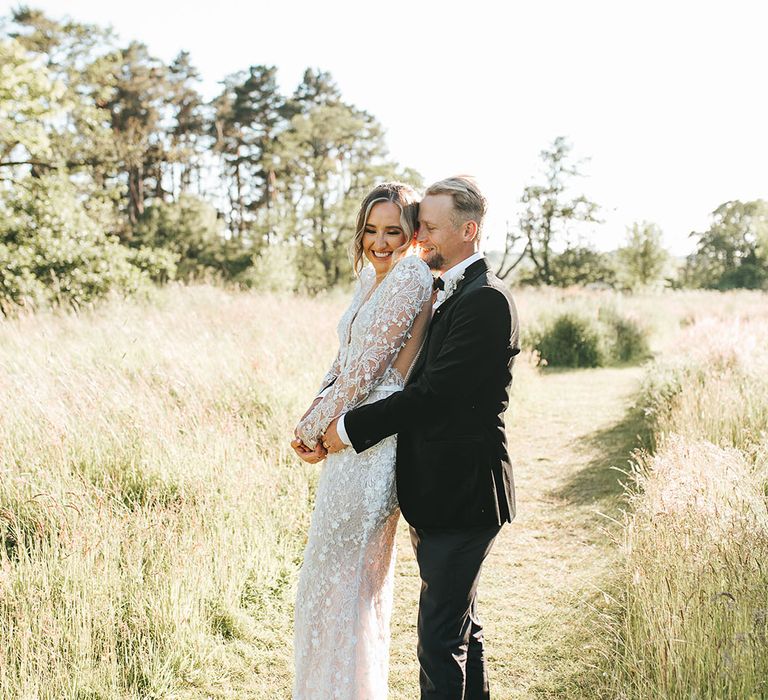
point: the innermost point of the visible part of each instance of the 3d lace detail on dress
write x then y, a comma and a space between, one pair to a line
379, 329
344, 596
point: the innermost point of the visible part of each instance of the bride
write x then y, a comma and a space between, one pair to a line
344, 596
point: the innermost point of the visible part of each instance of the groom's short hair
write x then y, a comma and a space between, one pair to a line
469, 204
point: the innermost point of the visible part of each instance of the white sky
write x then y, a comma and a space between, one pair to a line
667, 99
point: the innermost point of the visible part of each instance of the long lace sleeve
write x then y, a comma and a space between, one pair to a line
364, 283
331, 374
404, 292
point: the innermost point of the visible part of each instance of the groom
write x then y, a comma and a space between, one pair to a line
454, 479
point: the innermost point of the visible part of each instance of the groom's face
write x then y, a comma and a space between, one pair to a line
440, 240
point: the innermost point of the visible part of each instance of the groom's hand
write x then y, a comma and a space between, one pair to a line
331, 440
307, 454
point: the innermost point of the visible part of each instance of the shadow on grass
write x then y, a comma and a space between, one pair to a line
559, 369
600, 480
554, 369
584, 643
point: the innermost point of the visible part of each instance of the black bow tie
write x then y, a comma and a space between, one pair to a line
438, 283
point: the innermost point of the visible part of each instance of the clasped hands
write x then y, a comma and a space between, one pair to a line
328, 443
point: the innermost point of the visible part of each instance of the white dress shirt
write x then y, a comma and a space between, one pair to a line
452, 277
449, 276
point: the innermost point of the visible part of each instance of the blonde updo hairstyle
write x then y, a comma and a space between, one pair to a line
396, 192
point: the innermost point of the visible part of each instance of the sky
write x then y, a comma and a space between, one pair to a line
665, 101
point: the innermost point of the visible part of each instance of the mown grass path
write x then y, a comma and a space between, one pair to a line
541, 586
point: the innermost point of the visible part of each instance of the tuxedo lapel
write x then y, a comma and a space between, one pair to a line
472, 272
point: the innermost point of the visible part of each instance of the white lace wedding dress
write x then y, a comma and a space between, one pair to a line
344, 597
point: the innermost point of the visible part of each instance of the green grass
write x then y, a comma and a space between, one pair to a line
542, 589
152, 516
691, 619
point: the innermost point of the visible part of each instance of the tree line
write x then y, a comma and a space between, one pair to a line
543, 249
114, 169
115, 172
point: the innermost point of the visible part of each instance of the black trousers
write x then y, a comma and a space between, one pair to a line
450, 648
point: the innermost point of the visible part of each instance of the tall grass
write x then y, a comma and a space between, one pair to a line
152, 515
694, 616
662, 312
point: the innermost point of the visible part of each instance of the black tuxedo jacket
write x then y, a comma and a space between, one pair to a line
453, 468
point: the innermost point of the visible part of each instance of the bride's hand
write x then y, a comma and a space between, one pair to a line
307, 454
306, 413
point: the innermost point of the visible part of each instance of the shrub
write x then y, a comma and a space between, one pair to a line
51, 251
574, 338
159, 264
627, 339
582, 265
570, 340
190, 232
274, 269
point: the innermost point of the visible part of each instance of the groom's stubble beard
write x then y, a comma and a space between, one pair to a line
434, 260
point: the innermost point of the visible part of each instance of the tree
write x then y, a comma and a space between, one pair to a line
125, 136
80, 138
250, 114
316, 88
128, 122
580, 265
191, 232
137, 107
548, 211
510, 259
328, 159
642, 258
732, 252
191, 120
51, 251
27, 91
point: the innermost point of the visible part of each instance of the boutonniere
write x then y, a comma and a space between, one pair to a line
449, 288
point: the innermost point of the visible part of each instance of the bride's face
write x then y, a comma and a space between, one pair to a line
383, 235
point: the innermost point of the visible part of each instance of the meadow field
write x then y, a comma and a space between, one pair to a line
153, 516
